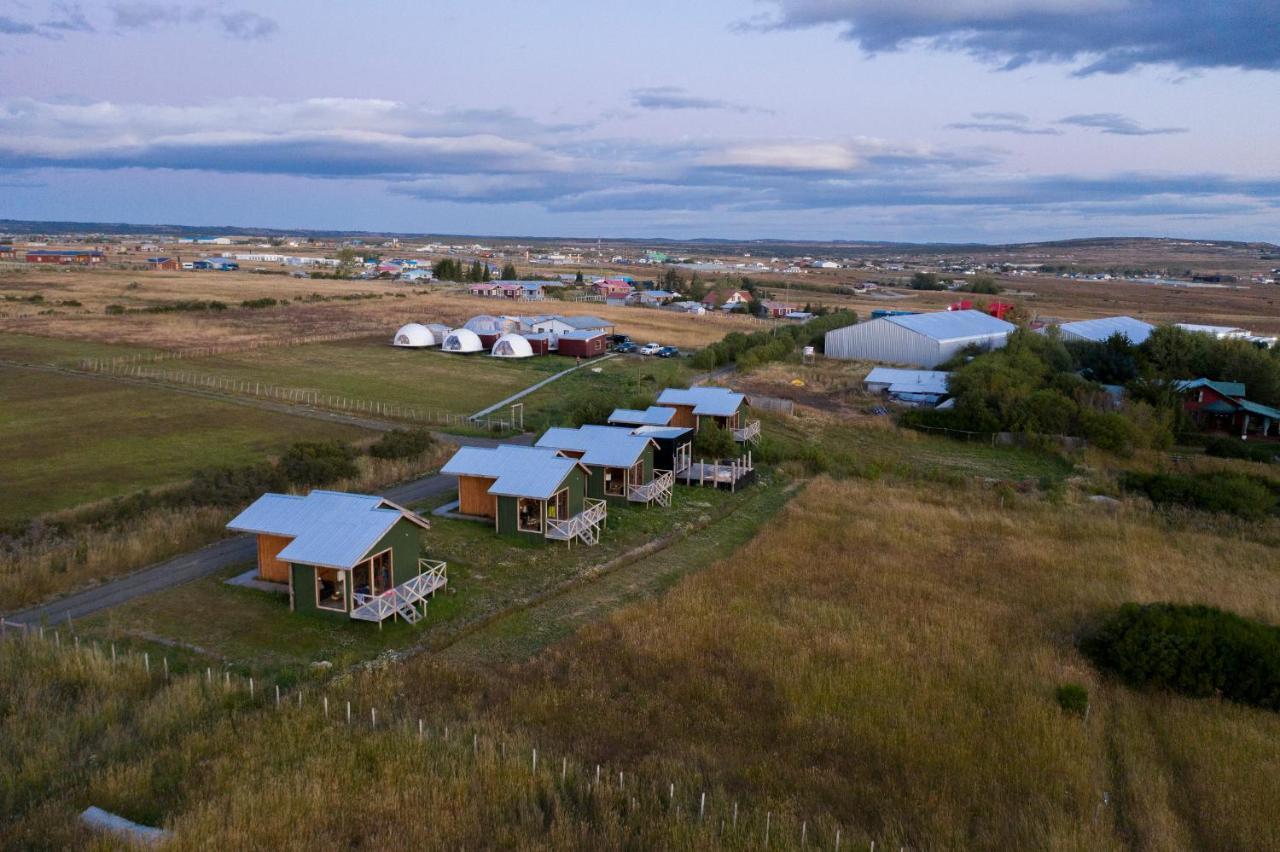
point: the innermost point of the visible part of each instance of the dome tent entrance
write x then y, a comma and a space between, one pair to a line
462, 340
511, 346
414, 336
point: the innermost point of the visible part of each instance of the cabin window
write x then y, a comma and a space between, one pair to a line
614, 481
529, 515
558, 506
373, 576
331, 589
635, 476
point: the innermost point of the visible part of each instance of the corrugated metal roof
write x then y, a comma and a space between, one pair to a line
1099, 330
604, 446
517, 471
952, 325
710, 401
909, 381
1232, 389
581, 335
329, 528
587, 322
654, 415
662, 432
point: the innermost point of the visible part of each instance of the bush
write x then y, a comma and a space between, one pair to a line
114, 310
1233, 493
265, 302
704, 359
402, 444
591, 408
714, 442
1230, 448
233, 486
1195, 650
1073, 698
1111, 431
312, 463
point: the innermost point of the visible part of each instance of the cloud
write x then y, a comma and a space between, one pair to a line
248, 25
1107, 36
240, 24
1117, 124
64, 18
675, 97
1004, 122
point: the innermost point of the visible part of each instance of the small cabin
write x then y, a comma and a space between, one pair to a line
696, 406
527, 491
353, 555
583, 344
620, 461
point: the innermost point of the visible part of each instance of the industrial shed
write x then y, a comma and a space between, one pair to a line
919, 340
1098, 330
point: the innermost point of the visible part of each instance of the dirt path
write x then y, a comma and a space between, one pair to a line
521, 633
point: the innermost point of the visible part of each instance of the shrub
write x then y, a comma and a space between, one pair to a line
714, 442
114, 309
1195, 650
591, 408
704, 359
265, 302
1073, 698
1233, 493
311, 463
233, 486
402, 444
1111, 431
1230, 448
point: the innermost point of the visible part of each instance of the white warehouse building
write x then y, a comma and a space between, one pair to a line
917, 340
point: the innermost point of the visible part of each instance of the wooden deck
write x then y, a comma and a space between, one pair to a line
730, 474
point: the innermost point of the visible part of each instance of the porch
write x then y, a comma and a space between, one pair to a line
721, 474
584, 526
402, 601
657, 490
749, 433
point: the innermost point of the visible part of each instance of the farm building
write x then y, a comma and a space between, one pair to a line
583, 344
654, 415
1222, 407
722, 406
511, 345
920, 340
1098, 330
919, 386
414, 336
620, 461
586, 322
70, 257
527, 491
462, 341
349, 554
165, 263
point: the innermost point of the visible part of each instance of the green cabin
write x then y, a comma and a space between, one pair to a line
350, 555
620, 462
527, 491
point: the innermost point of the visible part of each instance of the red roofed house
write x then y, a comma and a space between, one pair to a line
484, 290
612, 288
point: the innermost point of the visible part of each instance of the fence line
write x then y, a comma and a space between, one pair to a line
296, 396
629, 793
1004, 439
772, 403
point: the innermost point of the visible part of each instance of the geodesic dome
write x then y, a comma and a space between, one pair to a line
462, 340
511, 346
413, 336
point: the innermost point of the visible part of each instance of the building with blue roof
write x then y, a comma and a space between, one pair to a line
355, 555
654, 415
698, 406
621, 462
527, 491
917, 340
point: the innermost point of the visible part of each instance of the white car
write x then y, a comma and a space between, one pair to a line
650, 348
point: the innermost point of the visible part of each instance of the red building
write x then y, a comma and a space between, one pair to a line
1222, 407
65, 257
612, 288
583, 344
169, 263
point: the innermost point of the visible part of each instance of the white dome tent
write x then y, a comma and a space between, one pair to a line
485, 324
462, 340
511, 346
414, 336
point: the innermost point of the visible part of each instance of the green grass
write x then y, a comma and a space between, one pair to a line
61, 351
488, 575
70, 440
624, 378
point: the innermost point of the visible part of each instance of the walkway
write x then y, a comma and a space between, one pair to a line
540, 385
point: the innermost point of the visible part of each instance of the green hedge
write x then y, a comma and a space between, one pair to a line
1233, 493
1195, 650
1230, 448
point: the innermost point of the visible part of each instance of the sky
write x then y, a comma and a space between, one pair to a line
903, 120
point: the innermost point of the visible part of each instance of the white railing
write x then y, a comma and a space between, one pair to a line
584, 526
400, 600
750, 432
658, 489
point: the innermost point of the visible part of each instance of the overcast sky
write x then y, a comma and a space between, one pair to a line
946, 120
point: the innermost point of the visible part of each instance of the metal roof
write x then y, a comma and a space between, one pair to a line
581, 334
603, 446
909, 381
587, 322
654, 415
1099, 330
518, 471
710, 401
332, 529
662, 432
952, 325
1232, 389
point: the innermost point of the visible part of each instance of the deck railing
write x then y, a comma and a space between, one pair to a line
402, 600
658, 489
584, 526
749, 432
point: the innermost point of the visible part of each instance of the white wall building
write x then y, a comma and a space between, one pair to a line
918, 340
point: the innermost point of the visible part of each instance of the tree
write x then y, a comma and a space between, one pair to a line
578, 280
346, 257
509, 272
714, 442
671, 280
926, 281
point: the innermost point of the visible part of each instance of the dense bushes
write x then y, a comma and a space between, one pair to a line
1195, 650
1234, 493
311, 463
761, 347
402, 444
714, 442
1231, 448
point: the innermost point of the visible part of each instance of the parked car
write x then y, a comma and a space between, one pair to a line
651, 349
626, 347
668, 352
616, 340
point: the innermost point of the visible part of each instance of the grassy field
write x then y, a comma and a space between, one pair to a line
71, 440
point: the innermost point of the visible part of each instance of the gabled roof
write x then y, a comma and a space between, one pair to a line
952, 325
654, 415
909, 381
1231, 389
332, 529
587, 322
517, 471
1259, 409
1099, 330
709, 401
582, 334
662, 432
604, 446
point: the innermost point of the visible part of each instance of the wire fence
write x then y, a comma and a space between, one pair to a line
707, 813
307, 397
